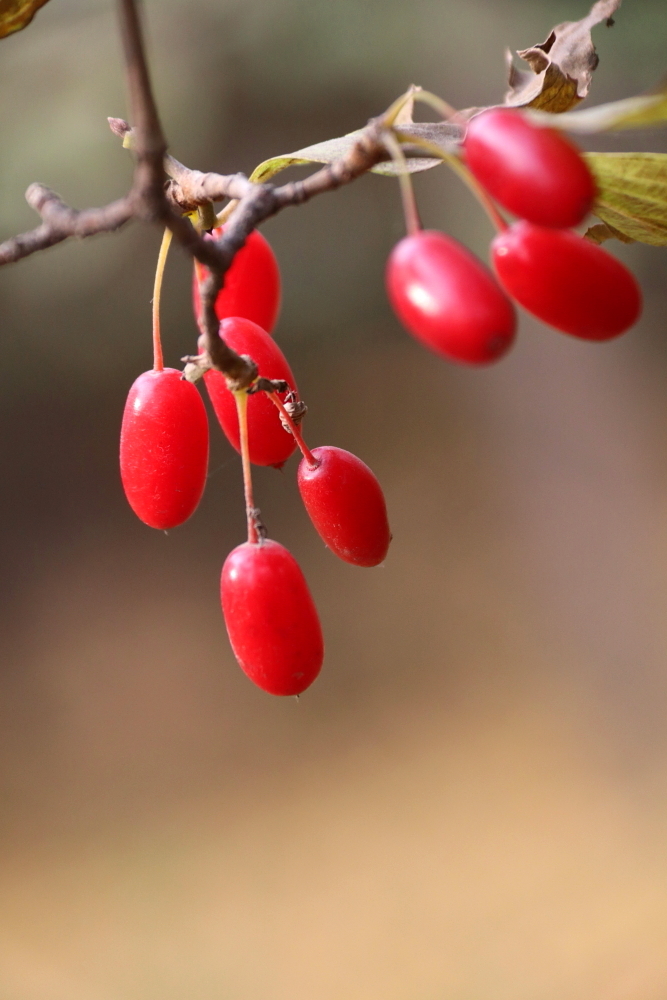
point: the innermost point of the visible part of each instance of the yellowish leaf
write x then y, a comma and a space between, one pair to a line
641, 111
632, 194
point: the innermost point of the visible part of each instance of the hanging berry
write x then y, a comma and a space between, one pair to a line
271, 620
449, 300
566, 281
345, 502
533, 172
163, 448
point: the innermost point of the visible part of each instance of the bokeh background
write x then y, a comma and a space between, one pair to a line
471, 800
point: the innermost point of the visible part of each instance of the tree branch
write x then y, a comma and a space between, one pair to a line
60, 222
150, 145
154, 199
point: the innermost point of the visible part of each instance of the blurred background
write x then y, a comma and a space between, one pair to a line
471, 802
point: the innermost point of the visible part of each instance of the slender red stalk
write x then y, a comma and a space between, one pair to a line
241, 399
313, 463
442, 107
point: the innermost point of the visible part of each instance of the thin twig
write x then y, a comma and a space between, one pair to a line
60, 222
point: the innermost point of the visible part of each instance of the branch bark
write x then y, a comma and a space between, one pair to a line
60, 222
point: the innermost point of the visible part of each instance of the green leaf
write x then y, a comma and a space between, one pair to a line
632, 195
414, 164
269, 168
632, 112
16, 14
443, 134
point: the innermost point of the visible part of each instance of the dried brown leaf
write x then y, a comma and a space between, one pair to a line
561, 68
16, 14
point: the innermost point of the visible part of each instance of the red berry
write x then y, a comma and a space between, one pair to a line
269, 443
252, 284
447, 299
345, 502
534, 172
271, 619
566, 281
163, 448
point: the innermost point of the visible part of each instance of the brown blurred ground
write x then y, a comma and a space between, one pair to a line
470, 803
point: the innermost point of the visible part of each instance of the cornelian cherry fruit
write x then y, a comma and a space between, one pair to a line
163, 448
252, 284
271, 620
448, 299
345, 502
533, 172
269, 443
566, 281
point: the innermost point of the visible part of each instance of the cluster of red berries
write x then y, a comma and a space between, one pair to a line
271, 619
451, 302
446, 298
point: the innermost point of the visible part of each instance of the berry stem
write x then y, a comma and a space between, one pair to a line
225, 212
437, 103
158, 362
456, 164
410, 211
391, 114
241, 398
296, 433
482, 197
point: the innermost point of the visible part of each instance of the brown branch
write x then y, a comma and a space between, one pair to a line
154, 199
60, 222
151, 201
149, 144
188, 189
369, 150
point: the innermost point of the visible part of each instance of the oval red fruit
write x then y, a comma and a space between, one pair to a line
534, 172
252, 284
345, 502
269, 443
566, 281
448, 299
163, 448
271, 619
